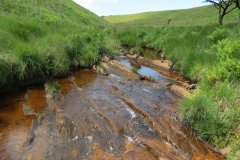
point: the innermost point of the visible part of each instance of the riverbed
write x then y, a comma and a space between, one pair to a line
114, 116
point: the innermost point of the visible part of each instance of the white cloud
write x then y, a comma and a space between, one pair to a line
89, 4
109, 1
93, 5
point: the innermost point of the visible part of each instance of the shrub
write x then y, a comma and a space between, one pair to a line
202, 114
228, 66
218, 34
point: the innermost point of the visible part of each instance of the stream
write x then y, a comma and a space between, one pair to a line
99, 117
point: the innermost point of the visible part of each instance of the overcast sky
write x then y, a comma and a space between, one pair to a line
113, 7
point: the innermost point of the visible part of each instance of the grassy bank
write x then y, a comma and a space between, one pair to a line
42, 39
210, 56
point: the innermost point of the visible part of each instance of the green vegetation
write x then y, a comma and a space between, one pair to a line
200, 16
224, 7
207, 54
42, 39
52, 87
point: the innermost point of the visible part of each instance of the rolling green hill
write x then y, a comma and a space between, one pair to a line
41, 39
64, 11
206, 15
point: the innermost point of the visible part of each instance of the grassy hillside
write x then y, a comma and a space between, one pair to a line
41, 39
199, 16
49, 11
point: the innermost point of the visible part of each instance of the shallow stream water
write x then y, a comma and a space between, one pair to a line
100, 117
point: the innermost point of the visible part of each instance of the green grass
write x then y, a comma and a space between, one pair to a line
50, 11
52, 87
199, 16
42, 39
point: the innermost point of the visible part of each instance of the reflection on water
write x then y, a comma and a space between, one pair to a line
36, 98
151, 54
143, 70
66, 84
84, 77
14, 125
156, 73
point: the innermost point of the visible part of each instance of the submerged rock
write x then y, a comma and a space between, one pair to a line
28, 111
101, 68
146, 78
134, 52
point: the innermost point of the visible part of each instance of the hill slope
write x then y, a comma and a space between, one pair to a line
50, 11
40, 39
187, 17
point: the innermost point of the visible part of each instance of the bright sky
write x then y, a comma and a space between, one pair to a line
113, 7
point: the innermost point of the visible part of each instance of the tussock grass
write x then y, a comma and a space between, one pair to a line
42, 39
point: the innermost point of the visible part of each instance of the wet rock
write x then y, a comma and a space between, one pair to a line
225, 150
55, 95
146, 78
134, 52
66, 128
169, 84
162, 56
105, 59
180, 90
178, 78
134, 57
104, 66
114, 118
101, 68
142, 154
185, 84
120, 66
30, 138
191, 86
124, 51
28, 111
31, 134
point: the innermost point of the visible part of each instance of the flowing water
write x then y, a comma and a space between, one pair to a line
99, 117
